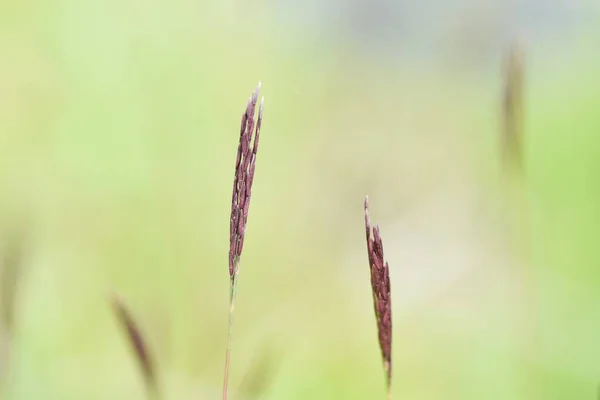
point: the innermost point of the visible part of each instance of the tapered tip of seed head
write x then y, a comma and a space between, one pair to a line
376, 234
367, 218
262, 106
255, 93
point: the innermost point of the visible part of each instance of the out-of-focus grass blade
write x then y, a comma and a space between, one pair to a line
138, 344
10, 275
259, 376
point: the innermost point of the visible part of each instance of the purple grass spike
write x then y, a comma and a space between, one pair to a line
380, 285
242, 183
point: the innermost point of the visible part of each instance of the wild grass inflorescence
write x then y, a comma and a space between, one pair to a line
240, 204
380, 285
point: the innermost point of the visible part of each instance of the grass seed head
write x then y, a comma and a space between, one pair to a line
244, 176
380, 285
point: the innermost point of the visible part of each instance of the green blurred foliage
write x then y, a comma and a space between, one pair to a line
118, 130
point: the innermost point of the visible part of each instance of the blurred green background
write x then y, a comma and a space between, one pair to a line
118, 133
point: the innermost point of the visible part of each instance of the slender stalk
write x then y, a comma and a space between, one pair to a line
515, 176
232, 292
11, 271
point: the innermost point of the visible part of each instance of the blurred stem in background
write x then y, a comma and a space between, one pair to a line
11, 272
515, 181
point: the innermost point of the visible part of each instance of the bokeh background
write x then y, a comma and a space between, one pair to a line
118, 133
